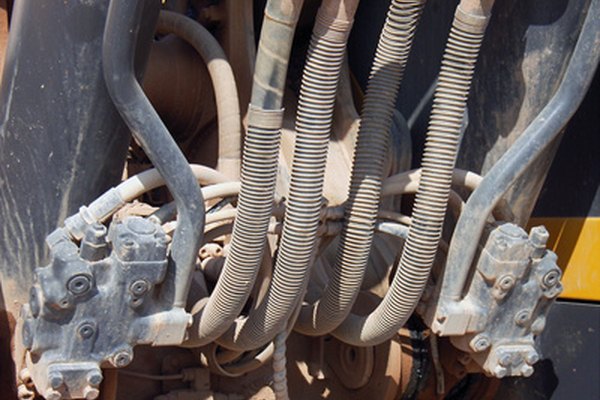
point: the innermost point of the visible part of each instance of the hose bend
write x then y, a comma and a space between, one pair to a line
118, 50
303, 211
441, 148
369, 158
259, 170
542, 131
223, 81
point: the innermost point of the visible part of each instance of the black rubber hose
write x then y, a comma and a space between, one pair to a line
535, 139
439, 158
369, 159
118, 50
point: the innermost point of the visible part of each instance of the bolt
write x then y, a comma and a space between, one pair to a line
90, 393
539, 236
122, 359
55, 379
522, 317
127, 249
505, 359
86, 330
94, 378
480, 343
532, 358
499, 371
139, 287
52, 394
506, 282
527, 370
551, 278
79, 284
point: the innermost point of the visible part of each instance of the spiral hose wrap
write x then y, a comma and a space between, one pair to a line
304, 205
279, 368
369, 160
441, 148
258, 176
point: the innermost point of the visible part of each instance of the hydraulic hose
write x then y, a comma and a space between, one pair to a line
527, 148
303, 208
223, 80
118, 50
259, 170
369, 158
439, 158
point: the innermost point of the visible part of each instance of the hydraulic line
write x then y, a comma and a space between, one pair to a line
441, 148
118, 51
304, 205
542, 131
259, 171
369, 158
223, 80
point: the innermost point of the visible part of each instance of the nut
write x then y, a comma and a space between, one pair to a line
532, 358
52, 394
79, 284
499, 371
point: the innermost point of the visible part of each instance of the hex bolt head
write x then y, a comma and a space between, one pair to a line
480, 343
539, 236
506, 282
127, 249
91, 393
551, 278
500, 372
52, 394
122, 359
94, 378
86, 330
532, 358
505, 359
139, 287
527, 370
79, 284
55, 379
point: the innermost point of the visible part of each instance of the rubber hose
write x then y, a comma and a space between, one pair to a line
118, 51
280, 387
259, 171
223, 81
369, 158
303, 209
535, 139
439, 158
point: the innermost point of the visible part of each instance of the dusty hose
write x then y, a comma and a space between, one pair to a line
280, 387
259, 170
118, 51
369, 159
303, 209
534, 140
439, 158
223, 80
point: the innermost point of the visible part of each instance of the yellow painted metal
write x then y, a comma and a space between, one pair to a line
576, 241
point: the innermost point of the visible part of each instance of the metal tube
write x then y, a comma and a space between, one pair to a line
118, 49
534, 140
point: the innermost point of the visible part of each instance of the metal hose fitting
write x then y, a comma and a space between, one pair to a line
303, 209
439, 158
259, 170
369, 158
